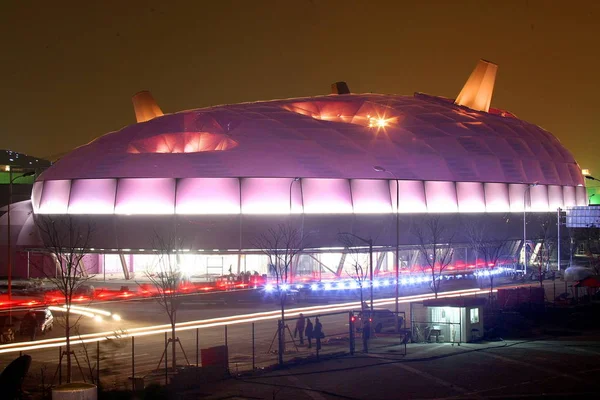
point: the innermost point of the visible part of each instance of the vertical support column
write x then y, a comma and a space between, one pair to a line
197, 346
253, 349
124, 266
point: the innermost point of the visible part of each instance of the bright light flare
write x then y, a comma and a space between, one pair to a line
116, 317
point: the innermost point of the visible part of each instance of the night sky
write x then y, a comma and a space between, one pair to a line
69, 69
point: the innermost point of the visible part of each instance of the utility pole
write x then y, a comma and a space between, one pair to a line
9, 255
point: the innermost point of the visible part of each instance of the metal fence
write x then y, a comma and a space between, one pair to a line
124, 361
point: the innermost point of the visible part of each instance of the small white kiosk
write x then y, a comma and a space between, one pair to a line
448, 320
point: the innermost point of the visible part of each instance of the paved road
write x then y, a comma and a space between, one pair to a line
116, 355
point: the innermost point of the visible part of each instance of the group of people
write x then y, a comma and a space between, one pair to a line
304, 327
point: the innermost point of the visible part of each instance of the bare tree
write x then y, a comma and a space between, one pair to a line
67, 242
488, 247
281, 245
359, 260
166, 277
434, 243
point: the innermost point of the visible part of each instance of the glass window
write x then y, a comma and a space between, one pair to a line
474, 314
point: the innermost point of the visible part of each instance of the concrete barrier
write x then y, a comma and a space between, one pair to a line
75, 391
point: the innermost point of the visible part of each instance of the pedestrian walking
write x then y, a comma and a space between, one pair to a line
309, 332
318, 333
300, 324
366, 334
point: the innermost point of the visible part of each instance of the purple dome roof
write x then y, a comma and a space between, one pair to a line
336, 136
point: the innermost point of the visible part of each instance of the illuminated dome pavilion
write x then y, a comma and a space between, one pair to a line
219, 175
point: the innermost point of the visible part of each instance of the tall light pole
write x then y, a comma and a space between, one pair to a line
9, 255
381, 169
291, 184
527, 189
291, 264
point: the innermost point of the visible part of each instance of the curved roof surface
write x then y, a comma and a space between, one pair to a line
417, 137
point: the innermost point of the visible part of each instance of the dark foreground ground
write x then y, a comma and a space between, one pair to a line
551, 367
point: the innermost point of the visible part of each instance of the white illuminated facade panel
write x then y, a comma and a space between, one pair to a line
36, 195
570, 200
55, 197
208, 196
516, 193
92, 196
145, 196
555, 197
581, 196
539, 198
310, 195
496, 197
470, 197
371, 196
271, 196
412, 197
441, 196
326, 196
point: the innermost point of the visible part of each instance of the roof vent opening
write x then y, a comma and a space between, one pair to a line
477, 91
145, 106
340, 88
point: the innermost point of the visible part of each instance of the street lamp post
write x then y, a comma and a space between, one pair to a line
291, 264
527, 189
9, 255
381, 169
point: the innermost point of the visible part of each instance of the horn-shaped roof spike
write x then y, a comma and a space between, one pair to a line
340, 88
477, 91
145, 106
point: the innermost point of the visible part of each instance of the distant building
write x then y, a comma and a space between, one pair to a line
19, 163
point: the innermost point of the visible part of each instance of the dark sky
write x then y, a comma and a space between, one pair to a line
69, 69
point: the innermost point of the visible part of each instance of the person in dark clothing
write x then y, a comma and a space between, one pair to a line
300, 328
318, 333
366, 334
309, 332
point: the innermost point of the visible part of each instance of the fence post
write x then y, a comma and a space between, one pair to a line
60, 365
98, 363
279, 342
197, 345
166, 363
351, 332
253, 362
133, 362
225, 335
